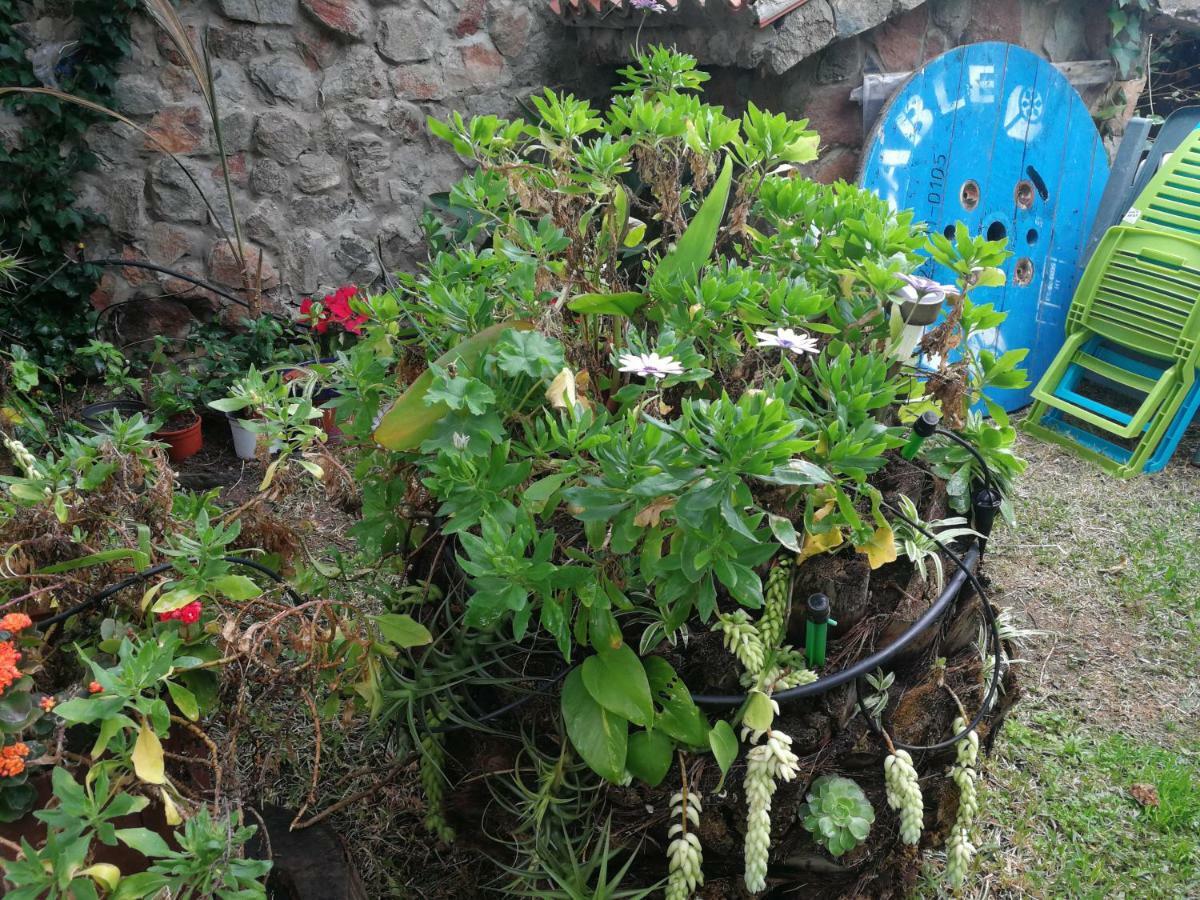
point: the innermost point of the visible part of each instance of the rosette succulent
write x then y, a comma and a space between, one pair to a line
837, 814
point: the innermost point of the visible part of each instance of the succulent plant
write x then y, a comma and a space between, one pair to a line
837, 814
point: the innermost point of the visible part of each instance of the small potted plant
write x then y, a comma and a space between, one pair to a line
111, 365
336, 324
248, 396
173, 394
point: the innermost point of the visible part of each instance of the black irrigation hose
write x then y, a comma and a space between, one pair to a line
877, 659
97, 599
539, 691
153, 267
988, 479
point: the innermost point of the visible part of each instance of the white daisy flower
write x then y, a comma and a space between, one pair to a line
650, 365
785, 339
917, 288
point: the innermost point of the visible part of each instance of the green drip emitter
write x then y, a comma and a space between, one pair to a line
923, 428
816, 630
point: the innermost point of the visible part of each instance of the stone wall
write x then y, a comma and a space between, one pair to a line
808, 62
324, 104
323, 112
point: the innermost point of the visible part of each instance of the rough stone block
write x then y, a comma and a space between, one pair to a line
509, 25
317, 173
285, 78
139, 95
236, 42
360, 74
180, 130
173, 198
281, 136
262, 12
268, 178
166, 244
369, 156
407, 35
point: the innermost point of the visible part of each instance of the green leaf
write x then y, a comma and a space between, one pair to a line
185, 700
758, 713
144, 841
236, 587
529, 353
403, 631
622, 304
598, 736
649, 756
695, 245
92, 559
724, 745
678, 714
616, 680
409, 421
538, 494
785, 532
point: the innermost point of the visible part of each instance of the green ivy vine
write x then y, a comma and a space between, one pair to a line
37, 215
1126, 44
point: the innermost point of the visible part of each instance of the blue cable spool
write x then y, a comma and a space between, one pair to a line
996, 137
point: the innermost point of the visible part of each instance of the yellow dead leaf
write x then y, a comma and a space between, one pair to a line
563, 392
148, 756
652, 513
816, 544
170, 810
882, 547
104, 874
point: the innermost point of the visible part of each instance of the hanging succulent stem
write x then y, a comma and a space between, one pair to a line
684, 854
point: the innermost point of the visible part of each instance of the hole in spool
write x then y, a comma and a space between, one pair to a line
1024, 194
969, 195
1024, 271
1031, 236
997, 232
949, 232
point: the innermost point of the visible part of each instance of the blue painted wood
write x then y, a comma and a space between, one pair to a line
1005, 120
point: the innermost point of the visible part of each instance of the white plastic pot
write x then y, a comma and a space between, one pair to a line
245, 441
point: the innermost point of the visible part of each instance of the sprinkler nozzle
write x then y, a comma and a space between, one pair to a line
923, 428
816, 630
984, 506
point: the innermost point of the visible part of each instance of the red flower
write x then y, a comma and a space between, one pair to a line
14, 622
94, 687
188, 615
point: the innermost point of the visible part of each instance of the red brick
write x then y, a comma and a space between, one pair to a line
133, 274
105, 292
900, 42
166, 244
833, 115
471, 19
482, 63
225, 269
421, 81
1000, 21
237, 170
178, 130
349, 18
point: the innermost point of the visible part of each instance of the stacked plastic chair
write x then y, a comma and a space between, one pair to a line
1134, 332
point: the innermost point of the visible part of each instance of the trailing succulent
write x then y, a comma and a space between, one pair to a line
658, 373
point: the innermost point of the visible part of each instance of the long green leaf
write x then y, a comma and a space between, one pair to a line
410, 420
695, 245
95, 559
623, 304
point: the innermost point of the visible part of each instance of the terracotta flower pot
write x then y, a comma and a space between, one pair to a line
182, 442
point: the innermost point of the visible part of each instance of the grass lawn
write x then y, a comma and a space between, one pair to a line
1094, 790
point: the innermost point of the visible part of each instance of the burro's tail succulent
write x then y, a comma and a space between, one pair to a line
766, 764
959, 849
904, 794
684, 855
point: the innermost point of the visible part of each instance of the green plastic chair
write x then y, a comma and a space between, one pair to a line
1171, 199
1140, 291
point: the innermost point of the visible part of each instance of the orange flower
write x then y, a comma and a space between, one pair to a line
94, 687
47, 703
14, 622
9, 657
12, 760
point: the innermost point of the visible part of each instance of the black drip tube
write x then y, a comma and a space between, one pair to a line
137, 577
